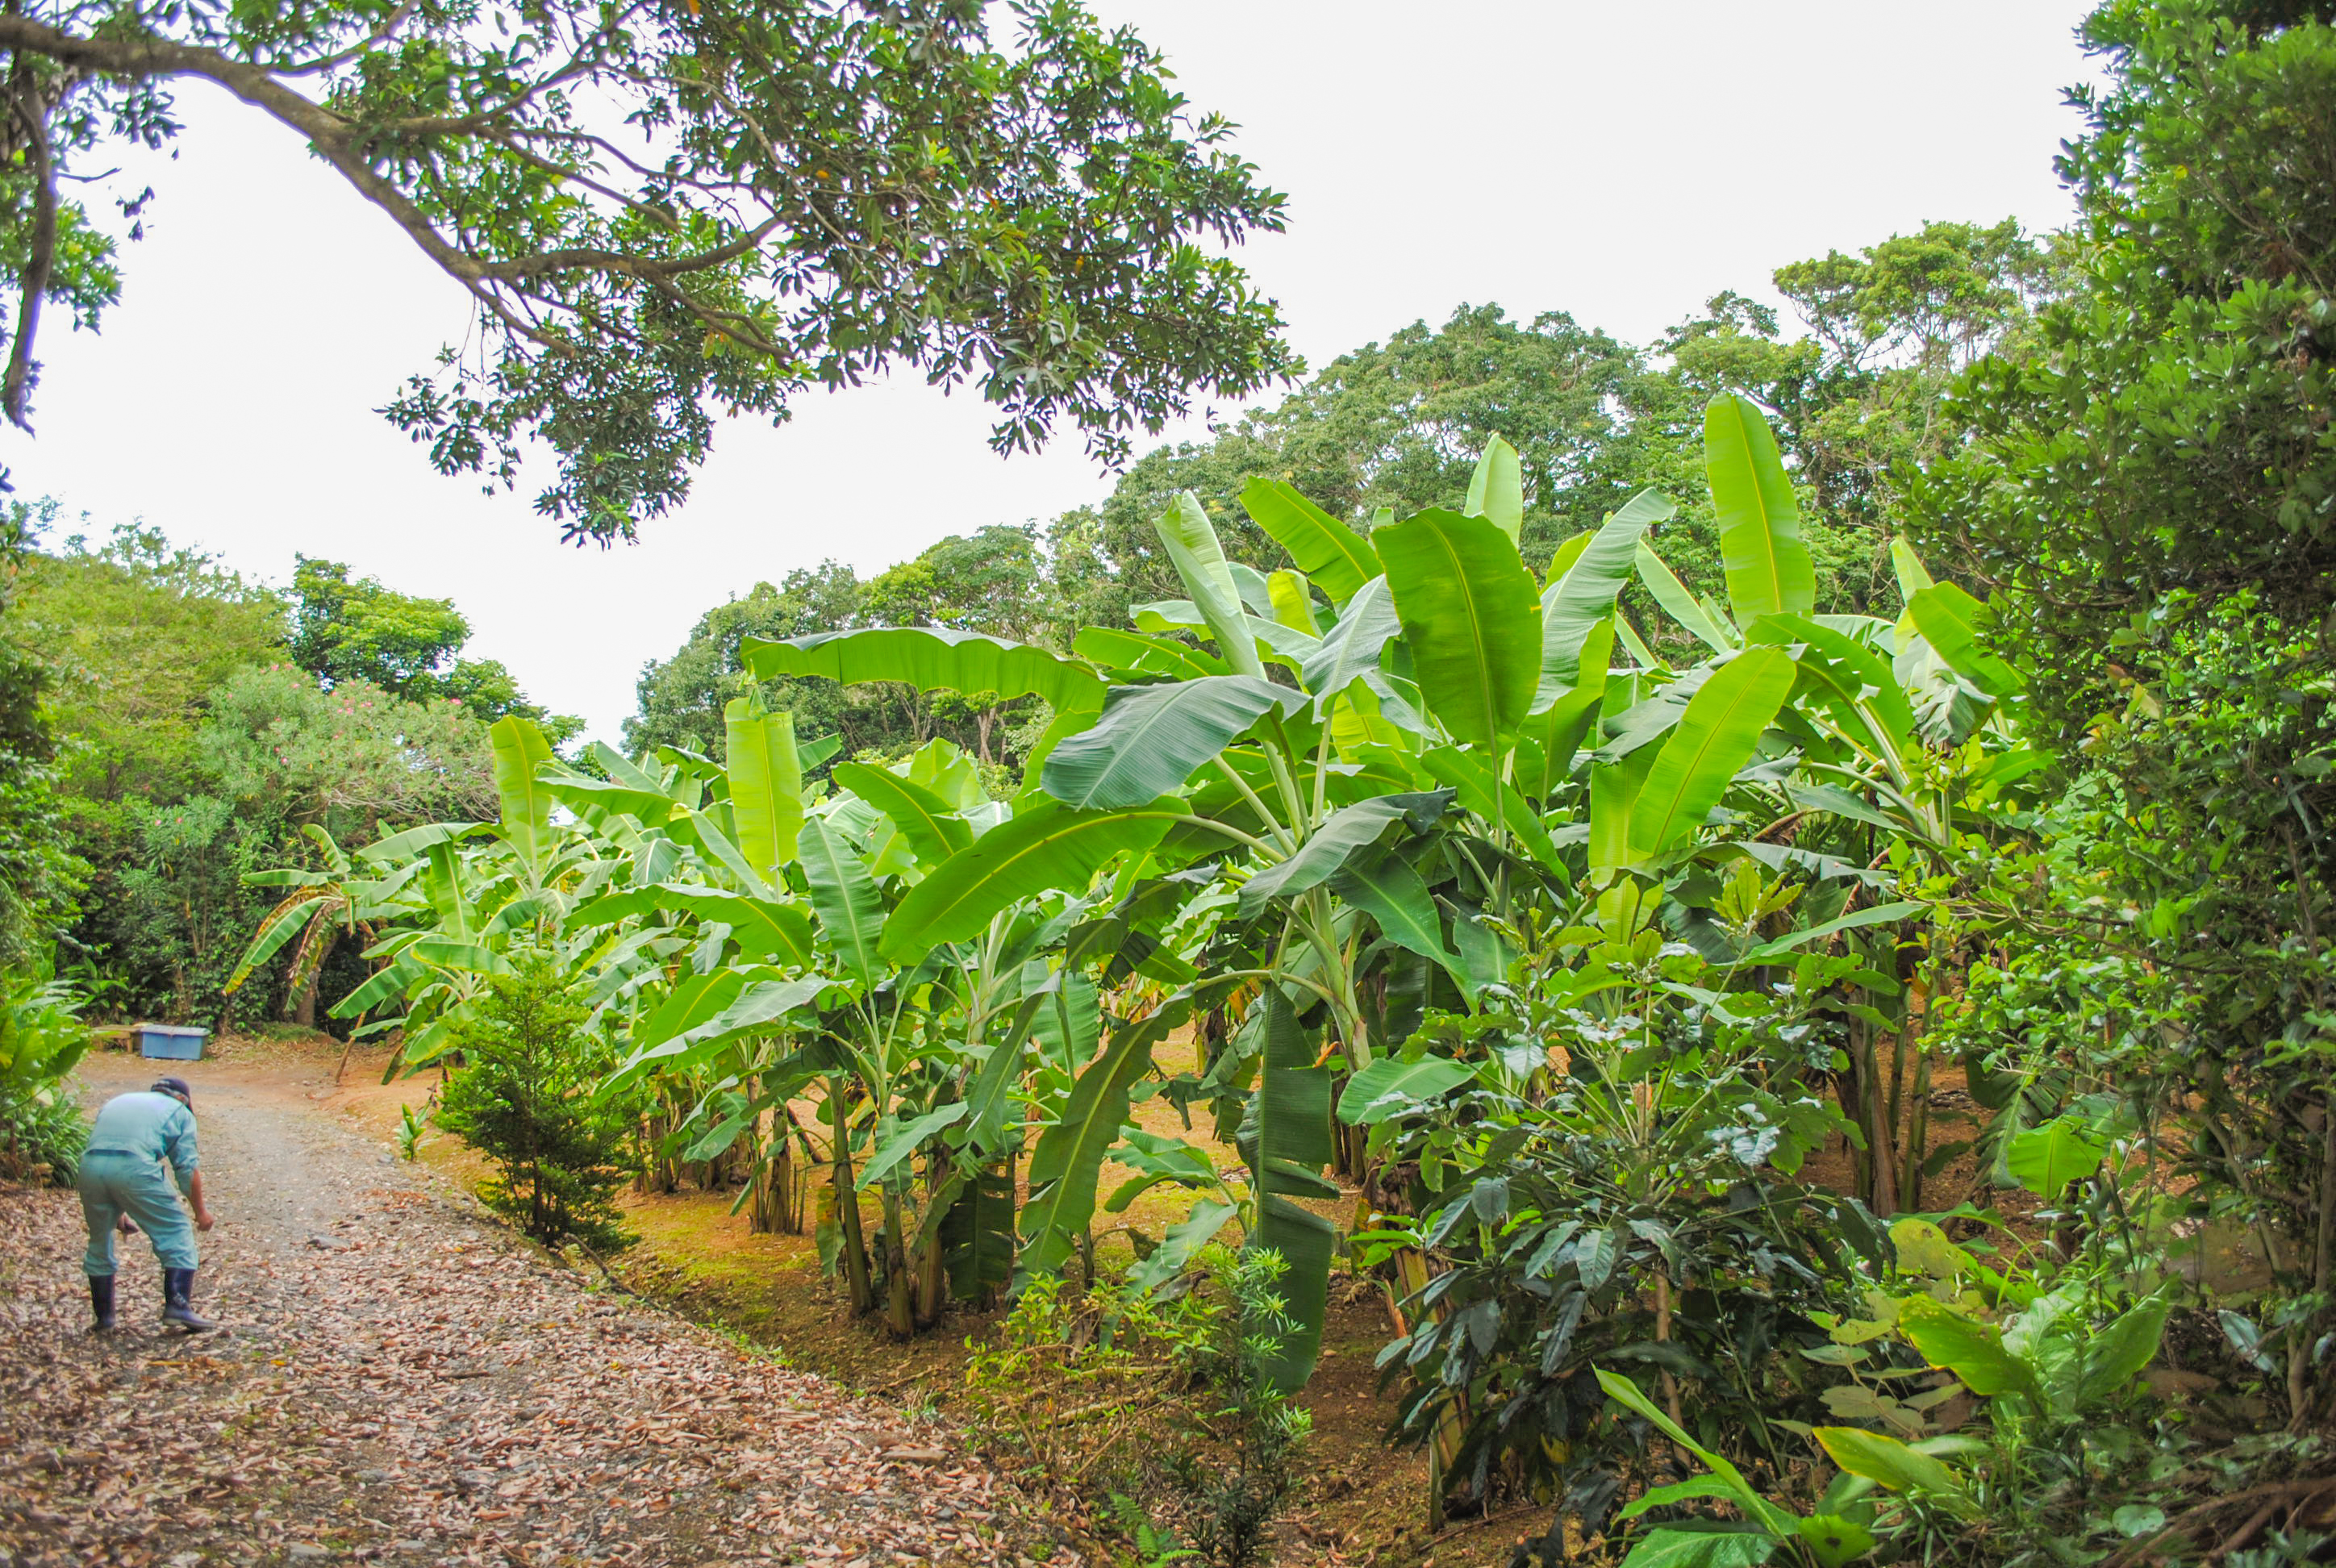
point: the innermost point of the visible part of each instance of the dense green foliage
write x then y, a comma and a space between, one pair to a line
2152, 494
203, 721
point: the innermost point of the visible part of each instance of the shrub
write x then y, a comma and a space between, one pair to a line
523, 1098
42, 1129
1163, 1402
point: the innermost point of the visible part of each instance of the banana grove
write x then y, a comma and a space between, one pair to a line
1329, 822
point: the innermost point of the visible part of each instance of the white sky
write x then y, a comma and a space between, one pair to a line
1621, 163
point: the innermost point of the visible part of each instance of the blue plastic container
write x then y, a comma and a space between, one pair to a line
171, 1042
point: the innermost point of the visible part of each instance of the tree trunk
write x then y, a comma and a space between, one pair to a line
847, 1208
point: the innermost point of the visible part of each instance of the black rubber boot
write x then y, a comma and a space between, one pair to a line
101, 1302
177, 1284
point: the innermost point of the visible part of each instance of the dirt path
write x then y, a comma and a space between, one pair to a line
400, 1381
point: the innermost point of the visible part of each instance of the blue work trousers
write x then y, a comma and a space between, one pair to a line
112, 1186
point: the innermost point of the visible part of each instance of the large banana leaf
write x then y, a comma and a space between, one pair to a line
1115, 649
1614, 789
1325, 549
1947, 618
933, 831
1768, 567
653, 808
1715, 737
766, 784
1351, 648
1068, 1160
1494, 801
1471, 620
1047, 846
1287, 1141
1496, 491
1342, 833
1191, 540
1672, 595
977, 1236
1389, 889
1151, 738
1863, 688
1558, 731
522, 754
930, 659
1576, 602
844, 898
1293, 601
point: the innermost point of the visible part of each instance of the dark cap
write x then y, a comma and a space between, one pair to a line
173, 1086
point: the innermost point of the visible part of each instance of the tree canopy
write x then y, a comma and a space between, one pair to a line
661, 212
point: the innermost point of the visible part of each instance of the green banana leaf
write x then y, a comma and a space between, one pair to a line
765, 785
1496, 491
1672, 595
844, 898
1325, 549
1947, 618
521, 754
1471, 620
1151, 738
1069, 1161
933, 831
930, 658
1114, 649
1575, 603
1191, 540
1715, 737
1342, 833
1351, 650
1768, 567
1046, 846
1286, 1139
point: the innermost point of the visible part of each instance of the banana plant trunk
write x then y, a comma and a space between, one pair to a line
847, 1208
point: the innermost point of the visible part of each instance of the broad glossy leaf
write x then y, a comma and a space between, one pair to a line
1627, 1394
765, 785
1342, 833
1768, 567
1948, 617
1559, 730
1191, 540
1047, 846
1973, 1350
1179, 1243
1872, 915
521, 754
1471, 620
1293, 603
1287, 1141
1913, 577
1672, 595
906, 1140
1573, 604
1150, 655
1389, 1087
2122, 1351
1496, 491
1325, 549
930, 658
1390, 890
1835, 1542
1350, 649
1745, 1547
1715, 737
1862, 679
933, 830
1492, 801
1890, 1463
1151, 738
653, 808
2045, 1159
844, 898
1065, 1166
